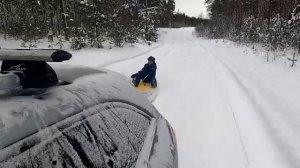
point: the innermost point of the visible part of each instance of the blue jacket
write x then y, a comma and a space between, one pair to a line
150, 70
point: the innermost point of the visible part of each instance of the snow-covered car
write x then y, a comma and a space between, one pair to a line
91, 118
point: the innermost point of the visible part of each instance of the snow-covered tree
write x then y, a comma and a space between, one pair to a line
273, 23
86, 23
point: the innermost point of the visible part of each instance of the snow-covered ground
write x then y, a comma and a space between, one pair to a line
229, 107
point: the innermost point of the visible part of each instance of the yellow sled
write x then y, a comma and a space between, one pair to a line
147, 90
144, 87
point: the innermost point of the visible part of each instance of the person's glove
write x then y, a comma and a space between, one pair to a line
133, 76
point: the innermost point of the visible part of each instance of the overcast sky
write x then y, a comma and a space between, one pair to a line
191, 7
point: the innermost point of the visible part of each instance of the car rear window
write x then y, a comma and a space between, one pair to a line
109, 135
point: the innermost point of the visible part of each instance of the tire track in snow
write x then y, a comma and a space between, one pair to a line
277, 141
133, 57
241, 138
236, 124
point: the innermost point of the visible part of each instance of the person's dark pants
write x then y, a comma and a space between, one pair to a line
153, 82
145, 77
138, 77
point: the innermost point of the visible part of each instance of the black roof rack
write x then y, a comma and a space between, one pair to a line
46, 55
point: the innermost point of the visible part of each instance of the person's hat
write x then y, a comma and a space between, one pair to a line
151, 58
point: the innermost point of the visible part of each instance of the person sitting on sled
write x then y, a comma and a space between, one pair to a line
147, 74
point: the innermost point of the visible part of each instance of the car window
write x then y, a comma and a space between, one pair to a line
109, 135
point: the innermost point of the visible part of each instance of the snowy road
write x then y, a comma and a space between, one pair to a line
223, 116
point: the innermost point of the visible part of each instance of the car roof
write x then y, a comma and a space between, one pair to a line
24, 115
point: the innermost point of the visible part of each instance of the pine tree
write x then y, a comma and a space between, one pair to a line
85, 23
255, 21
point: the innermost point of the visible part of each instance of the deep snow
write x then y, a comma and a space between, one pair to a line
229, 107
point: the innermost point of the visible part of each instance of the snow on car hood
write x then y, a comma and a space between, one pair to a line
21, 116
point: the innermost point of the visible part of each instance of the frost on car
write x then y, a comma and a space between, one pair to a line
92, 118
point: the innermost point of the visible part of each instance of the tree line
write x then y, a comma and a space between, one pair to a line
273, 23
183, 20
84, 23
